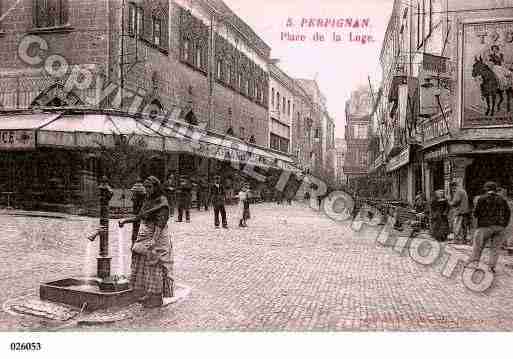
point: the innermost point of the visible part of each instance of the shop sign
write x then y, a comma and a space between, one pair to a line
17, 139
436, 154
487, 51
400, 160
436, 127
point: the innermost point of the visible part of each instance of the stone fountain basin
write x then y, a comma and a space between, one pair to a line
93, 291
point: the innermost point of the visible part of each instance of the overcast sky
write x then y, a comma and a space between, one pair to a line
340, 66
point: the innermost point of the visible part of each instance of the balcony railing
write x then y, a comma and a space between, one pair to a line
434, 64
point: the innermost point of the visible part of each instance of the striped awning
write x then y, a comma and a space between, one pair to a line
97, 129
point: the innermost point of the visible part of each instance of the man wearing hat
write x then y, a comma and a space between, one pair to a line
218, 198
184, 197
493, 215
461, 212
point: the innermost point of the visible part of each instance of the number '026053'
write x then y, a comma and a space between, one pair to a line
34, 346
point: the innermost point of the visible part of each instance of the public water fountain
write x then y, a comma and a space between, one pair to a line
104, 290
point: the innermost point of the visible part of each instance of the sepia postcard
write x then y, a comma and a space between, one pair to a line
283, 166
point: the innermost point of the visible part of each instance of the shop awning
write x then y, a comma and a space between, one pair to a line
88, 130
18, 131
211, 144
75, 129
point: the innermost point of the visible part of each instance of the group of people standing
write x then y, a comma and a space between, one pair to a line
490, 216
152, 251
179, 195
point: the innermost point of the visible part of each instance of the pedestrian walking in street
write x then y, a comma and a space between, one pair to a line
170, 192
184, 198
493, 215
244, 214
461, 212
420, 208
152, 252
279, 197
439, 221
202, 194
218, 199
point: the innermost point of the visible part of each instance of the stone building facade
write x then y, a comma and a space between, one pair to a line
447, 120
152, 56
356, 162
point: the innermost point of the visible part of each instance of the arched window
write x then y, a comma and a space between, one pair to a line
55, 96
230, 132
154, 109
190, 117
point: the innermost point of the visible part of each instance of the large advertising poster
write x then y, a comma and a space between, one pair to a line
488, 74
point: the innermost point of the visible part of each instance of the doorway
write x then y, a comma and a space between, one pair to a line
437, 175
496, 168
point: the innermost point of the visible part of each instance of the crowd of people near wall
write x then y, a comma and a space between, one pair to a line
483, 221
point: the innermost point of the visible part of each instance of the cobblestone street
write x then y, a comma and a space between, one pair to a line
292, 269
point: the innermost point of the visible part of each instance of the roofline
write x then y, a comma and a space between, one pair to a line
232, 13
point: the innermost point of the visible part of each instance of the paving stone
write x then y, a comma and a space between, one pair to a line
291, 269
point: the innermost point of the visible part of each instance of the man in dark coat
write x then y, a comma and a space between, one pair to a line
202, 194
493, 215
218, 198
170, 193
183, 196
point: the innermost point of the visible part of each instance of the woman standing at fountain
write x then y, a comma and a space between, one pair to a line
152, 252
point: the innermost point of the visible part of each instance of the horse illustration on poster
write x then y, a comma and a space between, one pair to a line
488, 74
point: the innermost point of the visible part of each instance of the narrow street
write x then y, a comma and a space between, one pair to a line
292, 269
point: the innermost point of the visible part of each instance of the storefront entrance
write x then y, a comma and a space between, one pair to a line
437, 176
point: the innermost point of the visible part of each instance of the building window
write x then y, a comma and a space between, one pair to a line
240, 81
229, 71
278, 101
219, 69
157, 31
140, 21
132, 11
186, 49
50, 13
419, 41
284, 104
247, 87
272, 97
288, 108
199, 56
363, 159
252, 139
241, 132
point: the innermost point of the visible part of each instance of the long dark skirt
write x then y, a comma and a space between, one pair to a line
439, 227
153, 273
148, 278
